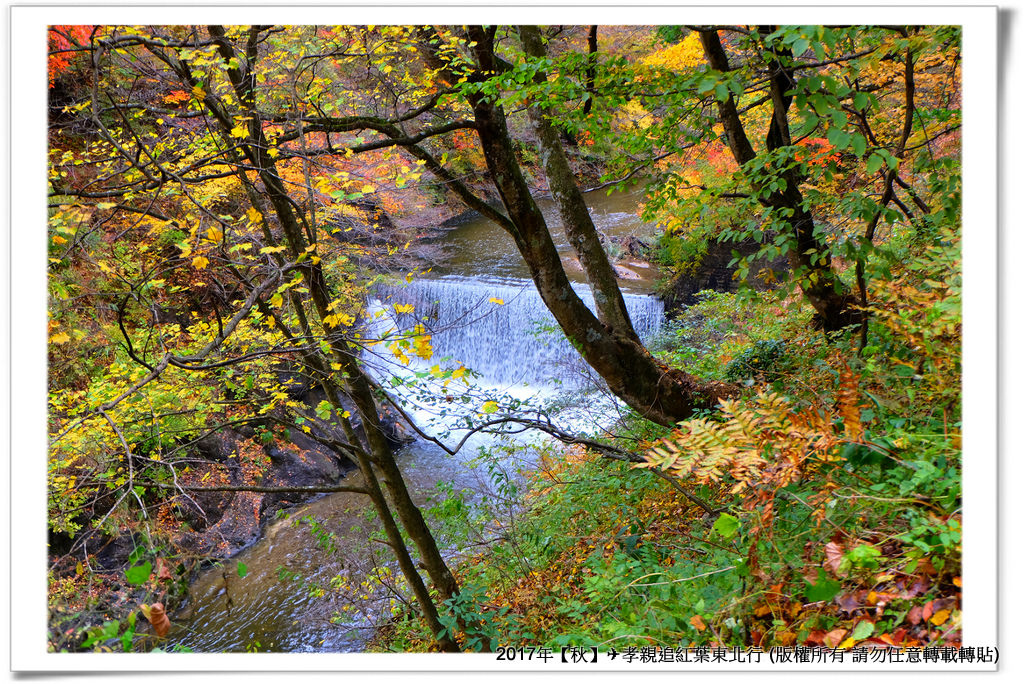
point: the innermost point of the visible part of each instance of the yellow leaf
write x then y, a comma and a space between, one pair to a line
277, 300
268, 250
58, 240
198, 92
497, 301
239, 131
274, 152
459, 372
214, 234
200, 262
346, 414
253, 215
940, 617
404, 308
366, 189
424, 350
489, 407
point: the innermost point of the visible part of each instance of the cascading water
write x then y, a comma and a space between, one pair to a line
499, 328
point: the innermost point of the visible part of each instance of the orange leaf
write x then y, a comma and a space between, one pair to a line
158, 618
835, 637
940, 617
698, 622
786, 638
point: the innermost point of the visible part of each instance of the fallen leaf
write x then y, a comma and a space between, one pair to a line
786, 638
849, 602
940, 617
835, 637
914, 615
863, 630
833, 556
698, 623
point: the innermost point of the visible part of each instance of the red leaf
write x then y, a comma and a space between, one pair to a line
815, 638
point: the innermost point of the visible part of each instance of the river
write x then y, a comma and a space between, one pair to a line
303, 586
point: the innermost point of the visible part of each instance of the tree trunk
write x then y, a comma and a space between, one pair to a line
591, 68
808, 257
659, 393
572, 208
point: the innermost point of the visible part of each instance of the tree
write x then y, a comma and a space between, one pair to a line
473, 76
213, 171
842, 135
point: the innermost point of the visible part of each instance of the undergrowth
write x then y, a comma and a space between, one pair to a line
835, 480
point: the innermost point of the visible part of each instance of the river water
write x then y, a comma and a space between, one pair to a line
305, 583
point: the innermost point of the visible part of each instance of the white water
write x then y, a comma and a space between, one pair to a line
499, 328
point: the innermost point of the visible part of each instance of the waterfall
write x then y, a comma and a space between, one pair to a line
499, 328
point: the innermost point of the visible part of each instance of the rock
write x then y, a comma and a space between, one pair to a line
715, 273
625, 273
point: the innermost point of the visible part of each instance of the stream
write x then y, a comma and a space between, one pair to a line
301, 590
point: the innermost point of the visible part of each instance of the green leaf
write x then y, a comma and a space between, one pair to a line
859, 144
323, 410
875, 162
243, 569
727, 525
800, 46
824, 589
861, 100
863, 630
138, 574
839, 138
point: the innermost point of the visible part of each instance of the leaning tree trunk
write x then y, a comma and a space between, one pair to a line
661, 394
